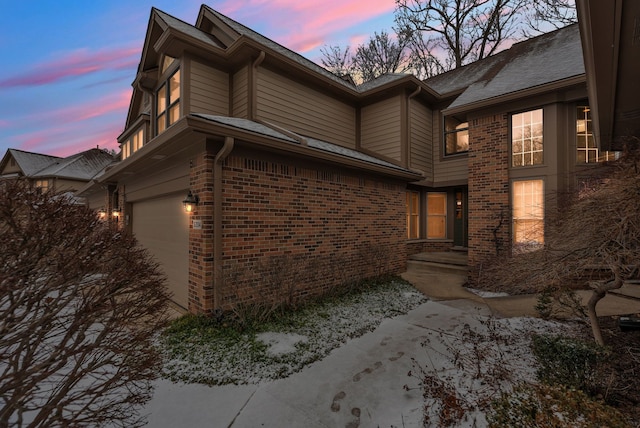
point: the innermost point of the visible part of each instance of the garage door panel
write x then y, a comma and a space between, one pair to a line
162, 227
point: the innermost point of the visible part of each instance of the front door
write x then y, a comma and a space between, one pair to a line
460, 222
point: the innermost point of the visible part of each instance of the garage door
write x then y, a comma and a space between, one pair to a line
162, 227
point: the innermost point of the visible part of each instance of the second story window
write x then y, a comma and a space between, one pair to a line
526, 138
456, 136
133, 144
168, 102
587, 150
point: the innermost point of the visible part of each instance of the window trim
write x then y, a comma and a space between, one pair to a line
523, 152
165, 86
413, 213
529, 245
453, 132
445, 216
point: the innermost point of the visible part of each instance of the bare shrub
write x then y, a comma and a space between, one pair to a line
594, 242
466, 370
80, 303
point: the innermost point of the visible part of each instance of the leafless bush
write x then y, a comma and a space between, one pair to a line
79, 305
466, 370
594, 242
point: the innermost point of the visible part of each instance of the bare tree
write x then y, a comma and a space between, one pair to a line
337, 60
382, 54
459, 32
594, 241
551, 14
79, 305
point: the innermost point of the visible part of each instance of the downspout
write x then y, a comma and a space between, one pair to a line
253, 96
408, 125
218, 276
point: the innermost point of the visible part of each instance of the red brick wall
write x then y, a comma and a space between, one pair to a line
291, 231
414, 247
489, 216
201, 270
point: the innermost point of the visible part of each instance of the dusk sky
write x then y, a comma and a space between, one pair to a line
67, 65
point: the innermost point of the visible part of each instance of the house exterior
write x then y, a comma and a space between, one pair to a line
304, 180
52, 172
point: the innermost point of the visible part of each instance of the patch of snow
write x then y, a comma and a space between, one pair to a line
281, 343
487, 294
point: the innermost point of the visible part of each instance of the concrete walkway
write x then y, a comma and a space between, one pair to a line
450, 288
360, 384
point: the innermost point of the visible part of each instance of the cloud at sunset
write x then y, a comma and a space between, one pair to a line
73, 64
304, 26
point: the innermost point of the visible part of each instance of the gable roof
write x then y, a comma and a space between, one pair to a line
28, 162
534, 63
81, 166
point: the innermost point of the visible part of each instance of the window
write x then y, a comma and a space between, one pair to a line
587, 151
43, 185
168, 102
133, 144
413, 214
528, 213
456, 136
436, 215
526, 138
167, 61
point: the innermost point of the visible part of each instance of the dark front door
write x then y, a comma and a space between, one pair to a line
460, 222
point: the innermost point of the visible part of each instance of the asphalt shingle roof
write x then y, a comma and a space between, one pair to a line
259, 128
31, 163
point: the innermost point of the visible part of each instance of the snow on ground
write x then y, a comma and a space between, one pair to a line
360, 381
487, 294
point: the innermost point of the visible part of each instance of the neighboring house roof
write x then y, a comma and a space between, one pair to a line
29, 163
81, 166
542, 60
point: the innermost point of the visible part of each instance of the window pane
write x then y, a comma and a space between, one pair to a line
456, 136
528, 212
174, 113
436, 227
526, 138
162, 100
162, 123
413, 214
174, 87
436, 215
436, 203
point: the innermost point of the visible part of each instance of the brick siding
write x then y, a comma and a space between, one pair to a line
293, 231
489, 215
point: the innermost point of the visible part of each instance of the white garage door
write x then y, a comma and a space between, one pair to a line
162, 227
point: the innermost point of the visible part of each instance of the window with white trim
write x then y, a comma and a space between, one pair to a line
586, 149
526, 138
528, 213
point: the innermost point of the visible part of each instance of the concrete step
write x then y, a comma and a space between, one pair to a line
431, 267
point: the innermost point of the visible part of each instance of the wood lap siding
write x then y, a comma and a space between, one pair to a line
446, 169
303, 110
381, 124
209, 90
421, 138
241, 93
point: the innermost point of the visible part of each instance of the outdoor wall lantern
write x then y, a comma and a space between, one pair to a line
116, 213
190, 202
102, 214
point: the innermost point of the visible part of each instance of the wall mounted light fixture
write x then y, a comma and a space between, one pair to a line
116, 213
190, 202
102, 214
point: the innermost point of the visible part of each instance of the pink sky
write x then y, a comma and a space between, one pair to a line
67, 89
